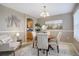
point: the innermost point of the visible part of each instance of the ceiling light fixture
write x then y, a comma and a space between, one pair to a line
44, 13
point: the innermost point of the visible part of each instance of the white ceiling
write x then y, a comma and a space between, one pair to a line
34, 9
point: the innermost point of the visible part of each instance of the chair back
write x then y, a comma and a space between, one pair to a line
34, 35
59, 36
42, 40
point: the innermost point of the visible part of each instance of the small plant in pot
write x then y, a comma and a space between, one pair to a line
37, 27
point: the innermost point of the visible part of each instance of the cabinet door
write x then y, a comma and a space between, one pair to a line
29, 36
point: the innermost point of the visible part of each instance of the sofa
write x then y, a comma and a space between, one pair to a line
7, 41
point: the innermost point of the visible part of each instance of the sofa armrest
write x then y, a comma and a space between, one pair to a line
1, 42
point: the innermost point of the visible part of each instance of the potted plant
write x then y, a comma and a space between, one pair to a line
37, 27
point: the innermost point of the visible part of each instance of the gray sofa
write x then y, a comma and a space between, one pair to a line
6, 41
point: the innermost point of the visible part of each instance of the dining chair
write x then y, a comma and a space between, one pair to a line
58, 40
55, 40
42, 42
34, 37
52, 39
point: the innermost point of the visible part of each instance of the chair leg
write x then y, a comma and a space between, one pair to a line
38, 52
33, 44
46, 52
51, 47
57, 48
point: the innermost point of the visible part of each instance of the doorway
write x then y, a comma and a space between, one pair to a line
29, 30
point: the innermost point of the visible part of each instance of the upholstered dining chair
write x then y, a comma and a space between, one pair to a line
42, 42
34, 37
58, 40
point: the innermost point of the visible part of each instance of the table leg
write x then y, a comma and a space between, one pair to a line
57, 48
33, 44
13, 53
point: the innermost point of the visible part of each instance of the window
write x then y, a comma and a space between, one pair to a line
76, 25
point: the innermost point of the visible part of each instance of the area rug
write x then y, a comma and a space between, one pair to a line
64, 50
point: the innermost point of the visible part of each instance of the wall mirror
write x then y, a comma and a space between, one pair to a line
54, 24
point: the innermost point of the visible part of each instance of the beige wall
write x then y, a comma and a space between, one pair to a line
67, 25
5, 12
